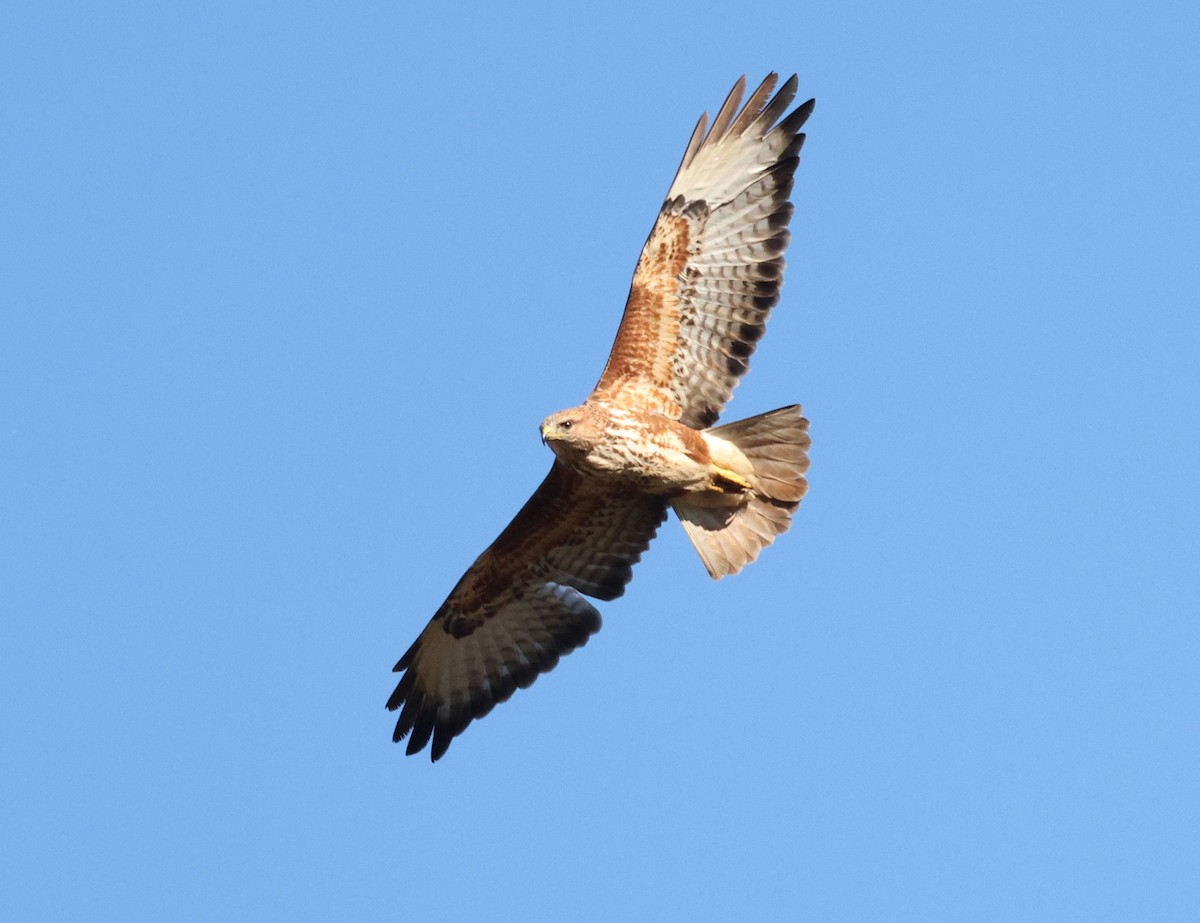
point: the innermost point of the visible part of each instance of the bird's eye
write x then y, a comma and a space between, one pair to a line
566, 424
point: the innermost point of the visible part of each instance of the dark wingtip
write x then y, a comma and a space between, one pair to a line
441, 743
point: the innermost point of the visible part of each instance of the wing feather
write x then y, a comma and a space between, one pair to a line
520, 606
729, 108
712, 267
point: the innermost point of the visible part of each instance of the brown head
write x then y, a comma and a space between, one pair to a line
573, 433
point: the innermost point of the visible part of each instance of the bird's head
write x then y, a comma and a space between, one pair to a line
573, 432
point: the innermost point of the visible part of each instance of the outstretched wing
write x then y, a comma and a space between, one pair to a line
520, 606
711, 269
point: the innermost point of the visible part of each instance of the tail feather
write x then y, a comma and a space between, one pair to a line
776, 445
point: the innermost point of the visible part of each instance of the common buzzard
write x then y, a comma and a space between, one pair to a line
644, 439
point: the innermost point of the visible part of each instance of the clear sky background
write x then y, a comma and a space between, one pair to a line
286, 290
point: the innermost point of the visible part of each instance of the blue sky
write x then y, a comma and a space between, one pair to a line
288, 288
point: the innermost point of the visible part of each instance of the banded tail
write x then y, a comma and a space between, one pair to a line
776, 445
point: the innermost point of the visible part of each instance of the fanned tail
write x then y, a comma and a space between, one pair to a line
776, 445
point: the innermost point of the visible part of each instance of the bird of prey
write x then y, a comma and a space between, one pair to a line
644, 439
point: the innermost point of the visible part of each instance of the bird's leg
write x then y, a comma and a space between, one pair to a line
727, 481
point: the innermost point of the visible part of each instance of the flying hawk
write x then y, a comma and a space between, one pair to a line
644, 439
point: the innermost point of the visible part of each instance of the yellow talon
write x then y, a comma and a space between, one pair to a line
728, 481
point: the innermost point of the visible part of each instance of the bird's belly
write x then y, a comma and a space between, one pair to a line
647, 466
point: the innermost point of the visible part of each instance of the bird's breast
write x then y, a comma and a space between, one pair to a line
652, 453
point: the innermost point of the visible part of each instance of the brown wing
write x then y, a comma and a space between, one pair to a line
711, 269
519, 607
